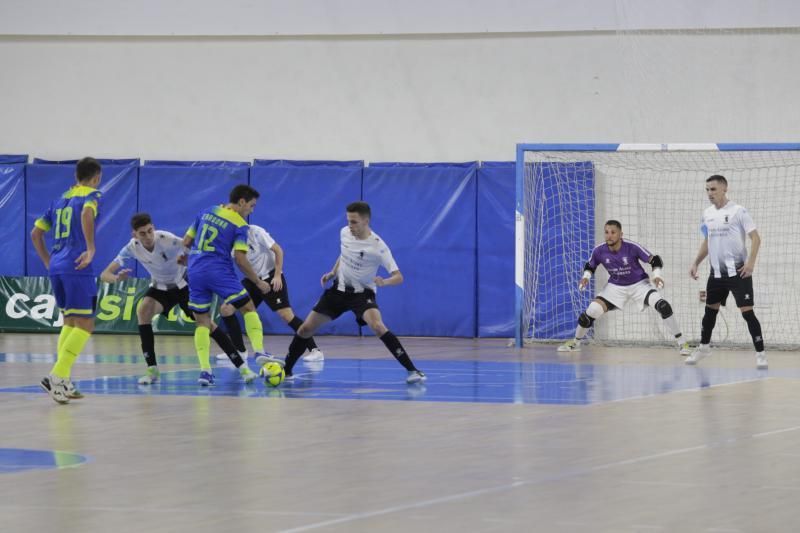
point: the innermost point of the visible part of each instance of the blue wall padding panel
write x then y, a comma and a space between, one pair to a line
46, 180
7, 159
496, 211
13, 232
567, 228
174, 192
302, 206
426, 212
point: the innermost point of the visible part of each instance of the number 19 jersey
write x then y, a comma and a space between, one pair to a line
64, 216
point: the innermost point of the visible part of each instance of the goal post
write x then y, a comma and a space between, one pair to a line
566, 192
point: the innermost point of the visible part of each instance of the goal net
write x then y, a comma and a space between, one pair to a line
566, 193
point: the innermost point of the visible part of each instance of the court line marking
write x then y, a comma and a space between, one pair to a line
775, 432
489, 490
510, 486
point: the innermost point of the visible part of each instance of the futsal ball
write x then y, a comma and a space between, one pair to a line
273, 374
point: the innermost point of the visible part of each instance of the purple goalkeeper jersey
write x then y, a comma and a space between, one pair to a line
623, 265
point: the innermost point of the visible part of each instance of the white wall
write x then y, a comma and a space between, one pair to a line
406, 98
376, 17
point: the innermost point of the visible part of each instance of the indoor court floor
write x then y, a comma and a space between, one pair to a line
497, 439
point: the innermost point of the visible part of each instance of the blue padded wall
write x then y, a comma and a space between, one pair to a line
426, 213
13, 233
47, 180
302, 206
174, 192
496, 211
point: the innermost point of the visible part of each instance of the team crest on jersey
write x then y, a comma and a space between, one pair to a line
608, 260
624, 260
726, 219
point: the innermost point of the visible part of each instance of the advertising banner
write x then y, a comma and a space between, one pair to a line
26, 304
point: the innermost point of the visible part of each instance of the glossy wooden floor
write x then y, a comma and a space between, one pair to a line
651, 446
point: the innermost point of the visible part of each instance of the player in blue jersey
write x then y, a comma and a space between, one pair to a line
627, 281
73, 218
216, 232
157, 251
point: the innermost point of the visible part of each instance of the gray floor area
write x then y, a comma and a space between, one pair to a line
715, 457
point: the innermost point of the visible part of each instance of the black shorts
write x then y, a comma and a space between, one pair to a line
274, 299
170, 298
334, 302
717, 290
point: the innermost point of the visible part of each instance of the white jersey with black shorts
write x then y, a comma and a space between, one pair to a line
726, 229
262, 258
168, 284
354, 285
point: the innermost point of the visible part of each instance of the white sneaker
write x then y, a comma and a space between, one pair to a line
264, 358
761, 361
224, 356
701, 352
572, 345
73, 392
684, 348
314, 356
415, 376
56, 387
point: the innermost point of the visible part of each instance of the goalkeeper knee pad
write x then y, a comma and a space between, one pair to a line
663, 308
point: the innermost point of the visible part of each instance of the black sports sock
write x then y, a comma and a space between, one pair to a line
295, 325
755, 329
393, 345
148, 343
709, 320
296, 349
227, 346
234, 332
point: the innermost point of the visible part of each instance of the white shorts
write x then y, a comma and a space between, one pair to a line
620, 294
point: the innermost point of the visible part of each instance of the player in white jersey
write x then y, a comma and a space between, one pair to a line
158, 252
724, 226
266, 256
355, 282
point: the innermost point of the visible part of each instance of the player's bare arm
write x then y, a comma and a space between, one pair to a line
244, 265
701, 254
395, 278
112, 273
183, 259
87, 226
657, 264
588, 271
277, 281
37, 236
755, 243
327, 276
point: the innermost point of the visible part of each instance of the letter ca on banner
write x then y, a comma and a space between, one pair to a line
29, 305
